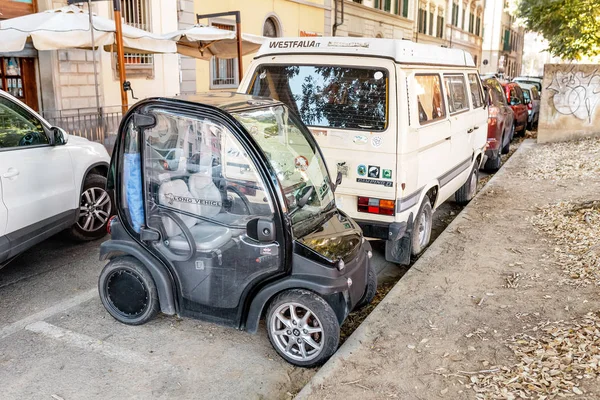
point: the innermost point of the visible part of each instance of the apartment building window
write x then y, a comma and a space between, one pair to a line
471, 22
478, 26
137, 14
422, 27
271, 28
440, 26
401, 8
462, 20
455, 14
506, 45
223, 72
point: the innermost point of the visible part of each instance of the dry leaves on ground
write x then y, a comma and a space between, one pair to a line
575, 231
553, 359
569, 160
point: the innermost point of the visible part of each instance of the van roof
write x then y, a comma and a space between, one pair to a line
401, 51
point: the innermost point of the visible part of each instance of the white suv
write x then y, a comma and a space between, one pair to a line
49, 181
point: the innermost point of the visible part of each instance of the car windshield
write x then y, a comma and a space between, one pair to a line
297, 162
328, 96
526, 95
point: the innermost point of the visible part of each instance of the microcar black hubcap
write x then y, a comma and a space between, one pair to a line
127, 293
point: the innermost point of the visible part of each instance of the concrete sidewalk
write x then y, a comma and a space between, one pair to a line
489, 276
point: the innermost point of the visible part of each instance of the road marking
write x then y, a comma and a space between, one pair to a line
48, 312
85, 342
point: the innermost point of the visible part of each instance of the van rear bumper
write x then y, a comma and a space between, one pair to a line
382, 230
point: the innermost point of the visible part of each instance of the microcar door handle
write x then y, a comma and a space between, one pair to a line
11, 173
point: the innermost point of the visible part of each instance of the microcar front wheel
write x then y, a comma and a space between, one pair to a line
127, 291
302, 327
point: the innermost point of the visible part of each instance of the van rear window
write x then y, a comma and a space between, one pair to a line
327, 96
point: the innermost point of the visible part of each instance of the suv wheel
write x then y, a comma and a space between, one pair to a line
95, 209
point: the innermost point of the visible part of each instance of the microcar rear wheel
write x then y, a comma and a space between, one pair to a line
95, 209
127, 291
302, 327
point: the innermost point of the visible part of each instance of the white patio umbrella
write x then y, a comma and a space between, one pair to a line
66, 28
204, 42
69, 28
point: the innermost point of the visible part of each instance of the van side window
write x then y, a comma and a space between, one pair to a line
429, 98
476, 93
456, 93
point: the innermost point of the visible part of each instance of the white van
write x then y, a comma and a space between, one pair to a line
404, 123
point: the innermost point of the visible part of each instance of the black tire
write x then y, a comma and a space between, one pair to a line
506, 147
521, 133
421, 232
492, 164
95, 183
326, 321
370, 290
127, 291
467, 191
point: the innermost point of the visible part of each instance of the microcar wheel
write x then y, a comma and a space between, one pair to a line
127, 291
421, 233
467, 191
370, 290
303, 328
95, 209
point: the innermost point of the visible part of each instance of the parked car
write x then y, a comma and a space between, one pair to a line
49, 181
185, 245
532, 100
406, 123
501, 127
516, 100
530, 80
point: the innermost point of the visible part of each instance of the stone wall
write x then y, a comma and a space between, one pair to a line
76, 79
570, 106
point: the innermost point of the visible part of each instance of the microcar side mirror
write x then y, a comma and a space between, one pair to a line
261, 230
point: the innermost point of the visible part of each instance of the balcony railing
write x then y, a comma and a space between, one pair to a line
98, 125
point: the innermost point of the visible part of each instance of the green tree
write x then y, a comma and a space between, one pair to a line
571, 27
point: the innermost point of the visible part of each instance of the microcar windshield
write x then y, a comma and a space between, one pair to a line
295, 159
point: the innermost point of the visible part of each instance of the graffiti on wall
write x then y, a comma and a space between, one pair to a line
576, 93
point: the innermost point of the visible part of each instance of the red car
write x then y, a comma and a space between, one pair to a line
516, 100
501, 126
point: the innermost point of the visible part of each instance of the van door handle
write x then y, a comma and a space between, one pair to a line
470, 130
11, 173
476, 127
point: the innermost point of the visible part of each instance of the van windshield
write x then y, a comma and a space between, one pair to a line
328, 96
297, 162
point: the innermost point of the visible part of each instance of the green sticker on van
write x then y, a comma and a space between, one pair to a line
386, 174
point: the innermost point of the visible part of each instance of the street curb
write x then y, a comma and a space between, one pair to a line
354, 342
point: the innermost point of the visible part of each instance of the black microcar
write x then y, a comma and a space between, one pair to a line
226, 213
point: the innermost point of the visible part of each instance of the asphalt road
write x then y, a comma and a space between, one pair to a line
56, 339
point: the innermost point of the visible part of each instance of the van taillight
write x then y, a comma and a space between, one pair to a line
493, 112
530, 106
376, 206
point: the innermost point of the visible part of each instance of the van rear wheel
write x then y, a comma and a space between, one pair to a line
302, 327
421, 233
467, 191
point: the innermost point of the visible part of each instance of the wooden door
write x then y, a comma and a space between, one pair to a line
29, 82
17, 76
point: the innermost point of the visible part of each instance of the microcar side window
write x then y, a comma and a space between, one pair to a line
456, 93
429, 98
476, 92
195, 167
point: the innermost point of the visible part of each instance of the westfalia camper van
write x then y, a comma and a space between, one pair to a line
404, 123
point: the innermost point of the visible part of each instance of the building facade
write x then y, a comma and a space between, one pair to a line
449, 23
273, 18
503, 39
